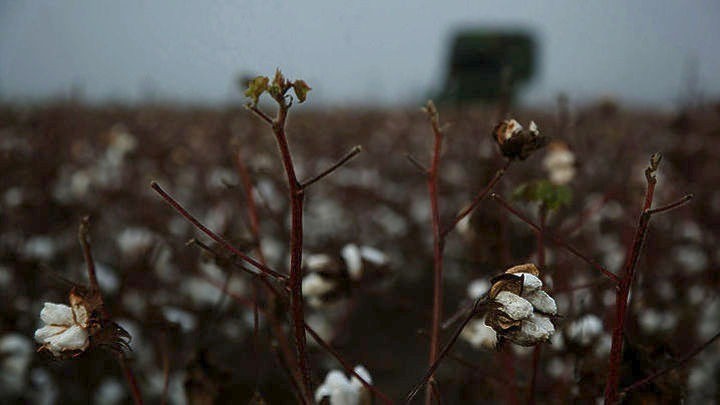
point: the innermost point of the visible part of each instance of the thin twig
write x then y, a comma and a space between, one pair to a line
679, 363
348, 156
677, 204
83, 237
555, 238
477, 199
166, 368
438, 245
348, 368
413, 161
542, 215
219, 239
131, 380
260, 113
446, 349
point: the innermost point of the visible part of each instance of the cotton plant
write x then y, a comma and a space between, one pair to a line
338, 389
521, 311
328, 279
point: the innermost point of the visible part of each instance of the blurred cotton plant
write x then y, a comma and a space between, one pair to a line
559, 162
330, 278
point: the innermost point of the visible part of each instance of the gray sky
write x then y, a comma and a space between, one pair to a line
386, 52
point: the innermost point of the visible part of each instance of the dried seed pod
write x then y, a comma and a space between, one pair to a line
524, 268
505, 282
515, 142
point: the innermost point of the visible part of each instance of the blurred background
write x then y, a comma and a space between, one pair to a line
376, 53
99, 98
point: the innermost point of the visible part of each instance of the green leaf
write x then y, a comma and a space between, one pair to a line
256, 87
301, 89
543, 191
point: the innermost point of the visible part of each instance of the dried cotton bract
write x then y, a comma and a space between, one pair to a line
522, 310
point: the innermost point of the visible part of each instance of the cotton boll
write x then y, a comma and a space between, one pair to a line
45, 391
186, 320
691, 257
40, 248
373, 255
479, 335
343, 391
315, 262
108, 280
134, 241
15, 356
653, 321
320, 324
542, 302
200, 292
477, 288
530, 282
315, 285
513, 305
585, 330
557, 368
536, 328
110, 392
351, 254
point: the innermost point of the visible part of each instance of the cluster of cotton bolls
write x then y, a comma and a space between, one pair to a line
522, 310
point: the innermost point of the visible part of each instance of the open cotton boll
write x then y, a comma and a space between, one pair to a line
65, 328
537, 328
351, 254
16, 353
372, 255
477, 288
343, 391
530, 282
585, 329
316, 262
542, 302
513, 305
479, 335
315, 285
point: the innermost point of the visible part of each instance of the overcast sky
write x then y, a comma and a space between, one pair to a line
388, 52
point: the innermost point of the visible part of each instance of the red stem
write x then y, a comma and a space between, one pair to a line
542, 214
623, 289
296, 195
438, 247
132, 382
